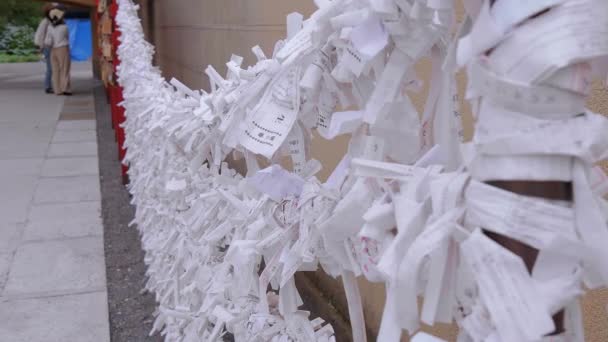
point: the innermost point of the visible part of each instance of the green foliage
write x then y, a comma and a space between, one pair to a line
17, 40
18, 59
18, 22
20, 12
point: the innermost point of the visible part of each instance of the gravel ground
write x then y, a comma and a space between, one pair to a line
131, 311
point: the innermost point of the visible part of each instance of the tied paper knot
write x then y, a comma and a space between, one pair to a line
400, 208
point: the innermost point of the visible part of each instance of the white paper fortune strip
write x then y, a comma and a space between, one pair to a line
403, 207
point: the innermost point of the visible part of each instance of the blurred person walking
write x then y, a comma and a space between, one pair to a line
58, 39
39, 40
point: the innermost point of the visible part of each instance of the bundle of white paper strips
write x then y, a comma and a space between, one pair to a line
529, 93
400, 208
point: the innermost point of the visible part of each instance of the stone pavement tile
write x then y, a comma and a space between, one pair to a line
72, 136
15, 196
73, 149
24, 167
71, 318
5, 263
10, 235
75, 125
29, 106
57, 265
86, 114
25, 140
67, 189
65, 220
61, 167
79, 100
77, 107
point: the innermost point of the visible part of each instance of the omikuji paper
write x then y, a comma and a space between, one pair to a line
408, 205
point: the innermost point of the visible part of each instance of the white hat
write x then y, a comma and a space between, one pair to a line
56, 14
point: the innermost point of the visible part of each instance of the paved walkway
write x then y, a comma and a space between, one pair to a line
52, 268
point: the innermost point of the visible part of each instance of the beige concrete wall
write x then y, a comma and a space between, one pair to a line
594, 304
190, 34
195, 33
